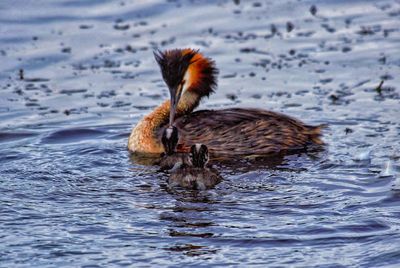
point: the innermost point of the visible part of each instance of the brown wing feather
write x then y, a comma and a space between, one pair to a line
245, 131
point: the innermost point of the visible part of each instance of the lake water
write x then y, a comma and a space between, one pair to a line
71, 195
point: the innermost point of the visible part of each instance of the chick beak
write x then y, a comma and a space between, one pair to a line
176, 93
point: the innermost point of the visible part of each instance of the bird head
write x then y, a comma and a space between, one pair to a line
186, 70
199, 155
170, 139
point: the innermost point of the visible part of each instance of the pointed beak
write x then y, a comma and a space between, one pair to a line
176, 93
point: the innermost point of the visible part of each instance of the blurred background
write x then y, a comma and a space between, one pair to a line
75, 76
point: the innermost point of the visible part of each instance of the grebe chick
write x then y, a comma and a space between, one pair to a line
230, 132
170, 158
195, 176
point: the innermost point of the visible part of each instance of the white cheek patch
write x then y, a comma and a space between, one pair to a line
198, 146
169, 133
186, 77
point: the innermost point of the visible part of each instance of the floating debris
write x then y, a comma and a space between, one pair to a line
35, 80
84, 26
346, 49
348, 130
379, 88
232, 97
21, 74
328, 28
274, 30
326, 81
333, 98
313, 10
66, 50
365, 31
123, 27
289, 26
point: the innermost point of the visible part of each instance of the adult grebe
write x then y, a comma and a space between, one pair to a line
195, 176
190, 76
171, 159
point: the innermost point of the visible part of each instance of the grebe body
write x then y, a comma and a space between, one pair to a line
228, 132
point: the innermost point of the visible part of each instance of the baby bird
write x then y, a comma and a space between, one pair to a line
171, 159
195, 176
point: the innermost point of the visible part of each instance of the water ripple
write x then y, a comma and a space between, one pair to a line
77, 75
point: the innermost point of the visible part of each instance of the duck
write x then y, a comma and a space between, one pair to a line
196, 175
228, 133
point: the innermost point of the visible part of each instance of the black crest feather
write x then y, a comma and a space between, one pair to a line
174, 63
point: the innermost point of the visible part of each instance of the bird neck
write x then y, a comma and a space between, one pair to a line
160, 115
188, 102
144, 137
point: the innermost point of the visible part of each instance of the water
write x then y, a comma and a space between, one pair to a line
71, 195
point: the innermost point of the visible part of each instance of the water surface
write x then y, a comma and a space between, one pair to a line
71, 195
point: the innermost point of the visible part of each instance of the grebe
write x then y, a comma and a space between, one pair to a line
171, 159
228, 132
195, 176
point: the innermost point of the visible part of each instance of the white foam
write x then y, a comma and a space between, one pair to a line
363, 156
387, 170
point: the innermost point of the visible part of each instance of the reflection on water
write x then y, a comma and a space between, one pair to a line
76, 76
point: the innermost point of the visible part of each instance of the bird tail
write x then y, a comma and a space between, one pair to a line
315, 133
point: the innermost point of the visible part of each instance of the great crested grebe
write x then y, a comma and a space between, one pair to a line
195, 176
171, 159
228, 132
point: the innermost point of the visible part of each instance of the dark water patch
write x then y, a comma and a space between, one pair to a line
36, 80
229, 75
66, 50
15, 136
387, 258
8, 156
92, 151
121, 104
73, 91
73, 135
313, 10
73, 187
85, 26
394, 13
367, 227
121, 27
305, 34
191, 250
328, 28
